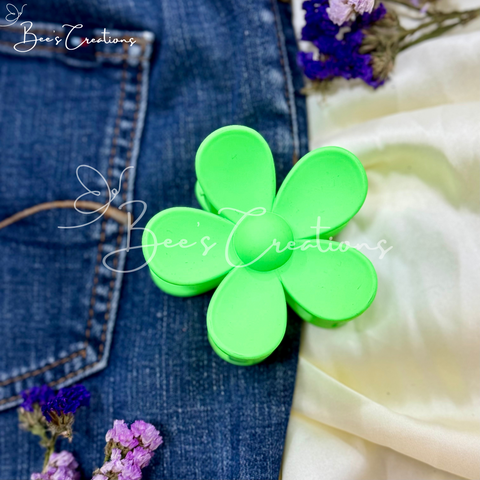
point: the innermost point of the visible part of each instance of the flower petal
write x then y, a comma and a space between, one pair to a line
247, 316
185, 250
235, 170
328, 286
329, 183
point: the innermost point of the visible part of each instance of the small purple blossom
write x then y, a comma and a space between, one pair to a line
147, 433
130, 471
37, 395
339, 11
120, 433
67, 400
362, 6
63, 459
139, 456
116, 455
115, 463
61, 466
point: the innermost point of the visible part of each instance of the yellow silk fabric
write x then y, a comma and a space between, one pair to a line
395, 394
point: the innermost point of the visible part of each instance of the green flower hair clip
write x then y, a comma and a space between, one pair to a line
262, 250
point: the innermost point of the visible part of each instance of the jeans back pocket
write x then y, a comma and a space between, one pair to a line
70, 128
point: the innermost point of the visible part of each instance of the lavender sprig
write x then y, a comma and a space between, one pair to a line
128, 450
30, 413
50, 415
361, 38
338, 55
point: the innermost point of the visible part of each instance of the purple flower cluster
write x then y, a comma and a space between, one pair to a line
338, 52
37, 395
67, 400
61, 466
131, 450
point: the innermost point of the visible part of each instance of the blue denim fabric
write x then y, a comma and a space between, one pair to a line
64, 316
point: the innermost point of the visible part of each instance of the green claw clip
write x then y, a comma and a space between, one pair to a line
260, 249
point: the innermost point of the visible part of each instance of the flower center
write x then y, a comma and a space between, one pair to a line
262, 241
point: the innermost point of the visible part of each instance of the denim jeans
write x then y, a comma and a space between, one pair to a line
77, 119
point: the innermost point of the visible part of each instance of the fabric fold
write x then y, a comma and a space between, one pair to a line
324, 399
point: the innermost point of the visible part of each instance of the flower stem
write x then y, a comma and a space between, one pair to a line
411, 31
439, 19
436, 33
50, 450
406, 4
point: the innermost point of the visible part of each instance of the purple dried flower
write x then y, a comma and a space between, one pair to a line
338, 56
64, 474
339, 11
120, 433
138, 427
362, 6
40, 395
116, 455
128, 450
115, 464
61, 466
67, 400
63, 459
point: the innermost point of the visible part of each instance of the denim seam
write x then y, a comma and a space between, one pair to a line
38, 371
119, 56
132, 152
289, 90
104, 222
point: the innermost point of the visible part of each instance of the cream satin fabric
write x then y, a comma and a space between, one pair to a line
395, 395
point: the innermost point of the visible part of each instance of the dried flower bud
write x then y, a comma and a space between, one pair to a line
30, 419
382, 42
382, 64
61, 424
